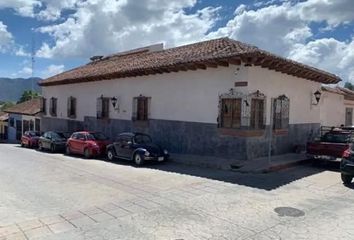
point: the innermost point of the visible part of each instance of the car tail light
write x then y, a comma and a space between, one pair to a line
346, 153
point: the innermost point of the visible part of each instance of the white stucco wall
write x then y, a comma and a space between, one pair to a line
299, 91
189, 96
332, 109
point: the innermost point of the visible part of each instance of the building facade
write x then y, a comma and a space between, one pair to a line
229, 107
23, 117
4, 117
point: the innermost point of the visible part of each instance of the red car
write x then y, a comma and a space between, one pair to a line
89, 144
30, 139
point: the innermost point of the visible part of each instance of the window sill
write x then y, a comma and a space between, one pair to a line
241, 133
280, 132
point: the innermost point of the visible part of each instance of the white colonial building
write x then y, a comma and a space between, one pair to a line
219, 97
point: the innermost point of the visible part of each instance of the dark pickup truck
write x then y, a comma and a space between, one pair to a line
331, 145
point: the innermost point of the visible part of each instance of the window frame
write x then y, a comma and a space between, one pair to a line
72, 107
257, 114
141, 115
232, 106
102, 110
282, 118
53, 108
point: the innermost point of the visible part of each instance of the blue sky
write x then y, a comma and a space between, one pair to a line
67, 33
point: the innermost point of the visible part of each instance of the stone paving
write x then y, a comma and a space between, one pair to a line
52, 196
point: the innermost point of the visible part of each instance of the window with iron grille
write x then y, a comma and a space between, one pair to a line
141, 108
257, 114
53, 106
102, 108
281, 112
72, 107
231, 112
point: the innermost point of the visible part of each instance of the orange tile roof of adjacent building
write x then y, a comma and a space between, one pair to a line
31, 107
212, 53
4, 116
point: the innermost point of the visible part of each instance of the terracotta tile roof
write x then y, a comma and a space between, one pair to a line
31, 107
4, 116
213, 53
348, 94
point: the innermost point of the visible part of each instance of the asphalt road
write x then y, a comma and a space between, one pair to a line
52, 196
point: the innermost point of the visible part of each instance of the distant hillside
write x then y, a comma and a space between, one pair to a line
11, 89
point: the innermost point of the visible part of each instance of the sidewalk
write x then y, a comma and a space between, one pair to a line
259, 165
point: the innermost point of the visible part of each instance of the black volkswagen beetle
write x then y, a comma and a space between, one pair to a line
137, 147
53, 141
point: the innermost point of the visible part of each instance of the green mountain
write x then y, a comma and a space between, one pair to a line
11, 89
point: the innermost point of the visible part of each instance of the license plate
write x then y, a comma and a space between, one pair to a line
160, 159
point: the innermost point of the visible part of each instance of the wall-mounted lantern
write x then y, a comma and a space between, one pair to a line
115, 103
317, 95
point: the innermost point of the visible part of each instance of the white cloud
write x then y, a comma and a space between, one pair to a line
22, 7
102, 27
6, 38
52, 70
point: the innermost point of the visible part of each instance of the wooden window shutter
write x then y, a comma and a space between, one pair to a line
73, 107
51, 106
285, 114
99, 107
135, 109
69, 107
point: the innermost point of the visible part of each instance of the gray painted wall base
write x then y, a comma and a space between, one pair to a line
194, 138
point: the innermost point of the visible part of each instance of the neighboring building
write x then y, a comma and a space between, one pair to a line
336, 105
23, 117
3, 125
210, 98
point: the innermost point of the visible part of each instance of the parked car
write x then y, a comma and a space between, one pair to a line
53, 141
347, 166
137, 147
30, 139
88, 144
331, 145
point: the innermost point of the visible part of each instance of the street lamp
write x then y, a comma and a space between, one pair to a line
317, 96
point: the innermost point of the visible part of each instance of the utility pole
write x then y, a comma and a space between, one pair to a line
32, 64
270, 131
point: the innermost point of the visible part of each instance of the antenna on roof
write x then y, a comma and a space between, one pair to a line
32, 65
96, 58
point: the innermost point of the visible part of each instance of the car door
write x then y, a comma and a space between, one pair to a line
122, 147
81, 141
73, 142
46, 140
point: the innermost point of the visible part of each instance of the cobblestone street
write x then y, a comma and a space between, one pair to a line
53, 196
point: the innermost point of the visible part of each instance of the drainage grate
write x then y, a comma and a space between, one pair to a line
289, 212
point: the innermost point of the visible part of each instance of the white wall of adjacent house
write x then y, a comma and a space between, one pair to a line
332, 109
188, 96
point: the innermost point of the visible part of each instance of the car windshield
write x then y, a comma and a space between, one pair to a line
96, 136
58, 135
142, 139
336, 137
34, 134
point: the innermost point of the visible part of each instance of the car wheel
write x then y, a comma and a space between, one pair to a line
68, 152
87, 153
138, 159
52, 148
40, 148
110, 155
347, 179
29, 145
22, 144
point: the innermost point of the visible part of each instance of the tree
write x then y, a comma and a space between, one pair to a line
6, 105
28, 95
349, 86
